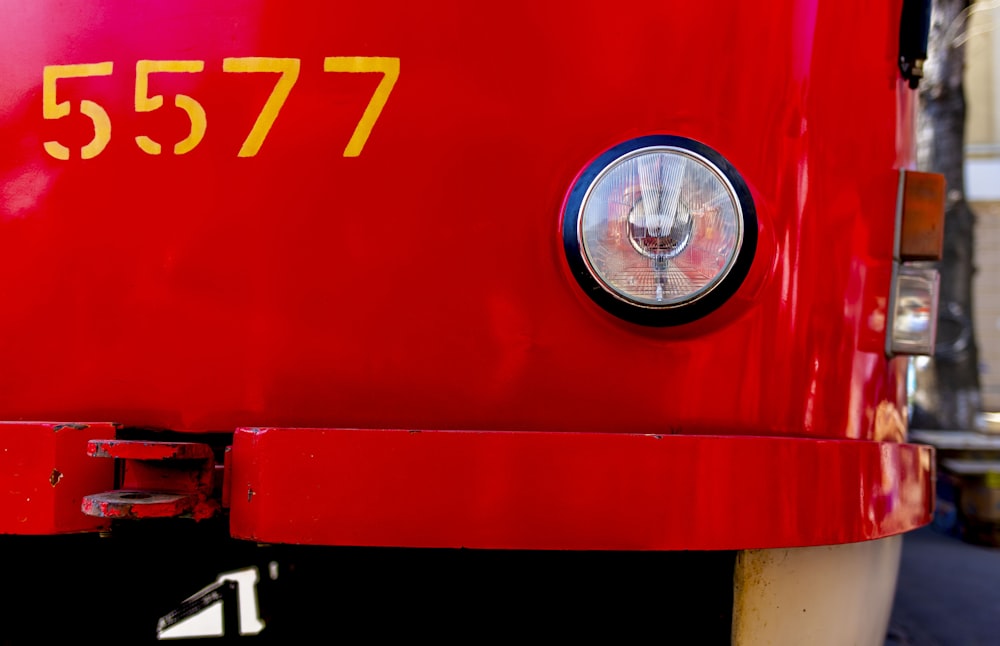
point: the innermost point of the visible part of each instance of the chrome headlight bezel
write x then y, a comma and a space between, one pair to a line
675, 309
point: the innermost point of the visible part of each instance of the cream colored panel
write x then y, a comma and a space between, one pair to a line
822, 596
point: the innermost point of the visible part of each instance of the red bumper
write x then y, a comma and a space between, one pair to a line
45, 473
593, 491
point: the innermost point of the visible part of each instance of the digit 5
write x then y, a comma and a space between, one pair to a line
51, 109
145, 103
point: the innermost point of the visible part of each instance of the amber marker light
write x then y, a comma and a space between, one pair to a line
922, 213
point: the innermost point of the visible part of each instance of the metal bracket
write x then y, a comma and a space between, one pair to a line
914, 31
156, 480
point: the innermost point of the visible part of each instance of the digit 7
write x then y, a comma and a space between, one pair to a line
389, 68
289, 70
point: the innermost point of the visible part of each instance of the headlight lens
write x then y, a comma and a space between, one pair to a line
659, 224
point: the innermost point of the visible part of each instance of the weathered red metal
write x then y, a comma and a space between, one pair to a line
595, 491
152, 450
134, 505
157, 480
44, 472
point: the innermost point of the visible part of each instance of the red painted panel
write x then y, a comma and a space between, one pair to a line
590, 491
230, 258
421, 283
45, 473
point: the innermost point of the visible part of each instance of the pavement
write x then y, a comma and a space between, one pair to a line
948, 592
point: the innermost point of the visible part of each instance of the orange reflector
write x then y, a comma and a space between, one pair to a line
922, 234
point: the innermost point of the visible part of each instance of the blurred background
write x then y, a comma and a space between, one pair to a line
982, 173
948, 592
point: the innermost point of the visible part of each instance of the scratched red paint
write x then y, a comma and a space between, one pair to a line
158, 480
35, 501
136, 505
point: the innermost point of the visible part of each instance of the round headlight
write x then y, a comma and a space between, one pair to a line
660, 230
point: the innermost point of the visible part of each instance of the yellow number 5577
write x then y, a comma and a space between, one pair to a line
287, 70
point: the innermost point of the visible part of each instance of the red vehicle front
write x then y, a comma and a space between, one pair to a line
591, 289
